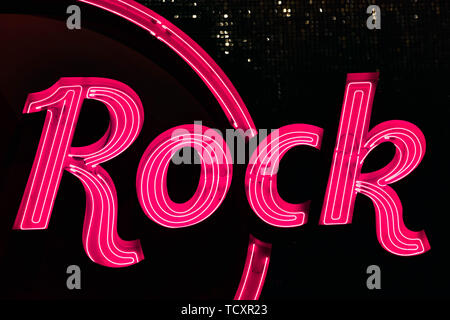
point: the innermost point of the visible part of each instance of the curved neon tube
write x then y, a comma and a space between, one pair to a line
211, 74
255, 270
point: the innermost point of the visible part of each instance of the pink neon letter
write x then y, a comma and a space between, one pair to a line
353, 144
63, 102
215, 177
261, 176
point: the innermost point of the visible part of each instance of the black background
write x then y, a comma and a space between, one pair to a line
206, 261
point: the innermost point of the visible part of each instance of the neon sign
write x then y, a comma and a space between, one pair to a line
102, 244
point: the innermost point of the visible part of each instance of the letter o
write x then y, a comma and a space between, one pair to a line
214, 182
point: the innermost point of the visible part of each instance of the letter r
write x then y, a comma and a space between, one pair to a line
55, 154
354, 142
